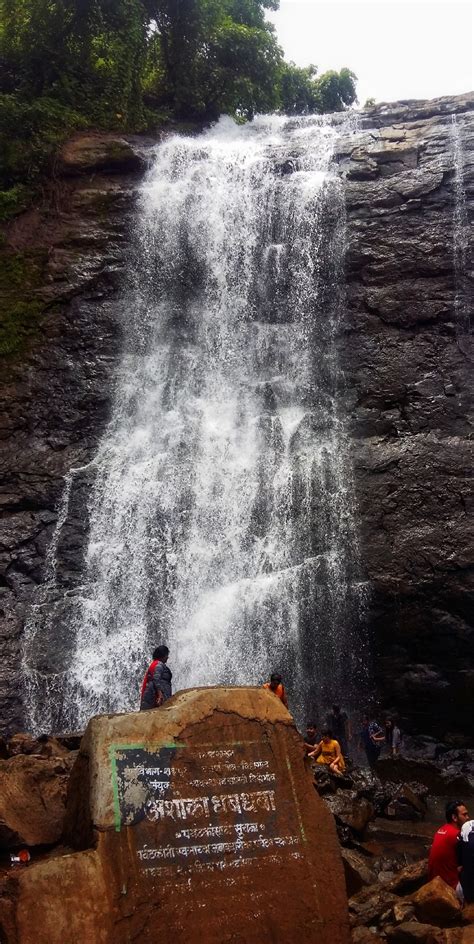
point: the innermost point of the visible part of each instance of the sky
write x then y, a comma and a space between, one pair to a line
397, 48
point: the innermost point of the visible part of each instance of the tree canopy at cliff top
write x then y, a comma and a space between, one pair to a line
131, 64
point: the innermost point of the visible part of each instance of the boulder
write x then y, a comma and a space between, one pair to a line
183, 817
32, 799
437, 902
468, 914
93, 151
370, 905
403, 911
357, 871
413, 932
407, 802
351, 810
365, 936
410, 878
42, 746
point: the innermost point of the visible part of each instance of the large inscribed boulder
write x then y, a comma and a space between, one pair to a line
205, 826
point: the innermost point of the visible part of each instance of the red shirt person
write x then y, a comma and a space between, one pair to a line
443, 859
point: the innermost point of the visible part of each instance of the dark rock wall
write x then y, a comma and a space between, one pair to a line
57, 374
406, 360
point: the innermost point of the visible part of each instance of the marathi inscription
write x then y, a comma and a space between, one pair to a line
170, 797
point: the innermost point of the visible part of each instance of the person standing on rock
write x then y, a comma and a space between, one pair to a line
443, 857
339, 724
372, 738
156, 686
276, 686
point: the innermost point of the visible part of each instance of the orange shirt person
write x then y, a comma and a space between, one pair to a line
276, 686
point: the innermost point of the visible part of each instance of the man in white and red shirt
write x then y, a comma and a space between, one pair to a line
443, 860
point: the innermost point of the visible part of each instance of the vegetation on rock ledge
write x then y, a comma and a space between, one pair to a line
131, 64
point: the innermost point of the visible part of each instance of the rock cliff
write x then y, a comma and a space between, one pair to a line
409, 182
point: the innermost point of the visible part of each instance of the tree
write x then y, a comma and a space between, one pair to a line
335, 91
217, 56
302, 93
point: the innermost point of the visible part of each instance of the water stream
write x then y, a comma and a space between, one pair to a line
222, 517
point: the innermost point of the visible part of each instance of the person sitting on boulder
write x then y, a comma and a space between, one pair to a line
156, 686
311, 738
465, 859
276, 686
328, 752
443, 857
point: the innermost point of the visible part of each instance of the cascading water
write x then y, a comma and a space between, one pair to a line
222, 511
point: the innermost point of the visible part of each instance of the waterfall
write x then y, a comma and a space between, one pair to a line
222, 513
460, 230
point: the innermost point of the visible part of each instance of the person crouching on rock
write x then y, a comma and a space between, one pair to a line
443, 857
329, 752
276, 686
156, 686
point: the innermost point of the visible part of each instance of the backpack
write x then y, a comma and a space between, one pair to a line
149, 678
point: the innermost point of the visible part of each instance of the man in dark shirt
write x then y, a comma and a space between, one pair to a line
311, 738
338, 723
372, 739
443, 857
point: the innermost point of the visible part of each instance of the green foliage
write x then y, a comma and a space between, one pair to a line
336, 90
214, 56
369, 103
20, 309
130, 65
30, 131
302, 93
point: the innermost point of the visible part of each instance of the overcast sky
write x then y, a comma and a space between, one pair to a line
397, 48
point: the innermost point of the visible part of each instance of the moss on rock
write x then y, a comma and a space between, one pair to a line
21, 308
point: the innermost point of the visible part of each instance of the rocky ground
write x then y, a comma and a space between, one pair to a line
385, 821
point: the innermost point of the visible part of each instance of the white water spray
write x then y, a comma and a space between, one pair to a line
222, 513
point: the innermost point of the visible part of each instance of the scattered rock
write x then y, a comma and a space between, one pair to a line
437, 902
365, 936
412, 932
411, 878
368, 906
357, 871
42, 746
351, 810
403, 911
407, 802
32, 799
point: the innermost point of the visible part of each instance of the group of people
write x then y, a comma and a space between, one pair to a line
330, 747
452, 852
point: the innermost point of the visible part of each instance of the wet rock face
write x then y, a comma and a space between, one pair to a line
203, 820
63, 267
403, 348
406, 359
